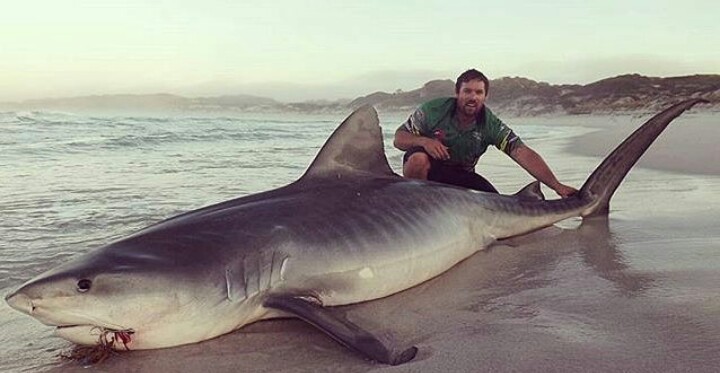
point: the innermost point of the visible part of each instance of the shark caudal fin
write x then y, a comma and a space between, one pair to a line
606, 178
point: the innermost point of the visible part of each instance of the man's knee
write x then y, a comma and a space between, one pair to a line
417, 166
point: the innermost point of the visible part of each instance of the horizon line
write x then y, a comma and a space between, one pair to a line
337, 98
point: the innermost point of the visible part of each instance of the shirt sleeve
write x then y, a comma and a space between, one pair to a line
503, 137
417, 123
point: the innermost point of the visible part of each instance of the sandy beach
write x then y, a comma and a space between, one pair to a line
636, 292
687, 146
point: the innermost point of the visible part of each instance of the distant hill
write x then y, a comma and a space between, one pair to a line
522, 96
401, 100
154, 103
509, 95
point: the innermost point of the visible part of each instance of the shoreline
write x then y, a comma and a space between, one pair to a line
685, 148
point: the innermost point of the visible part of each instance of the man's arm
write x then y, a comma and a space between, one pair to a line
533, 163
405, 140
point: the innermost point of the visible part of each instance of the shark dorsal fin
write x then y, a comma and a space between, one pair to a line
356, 147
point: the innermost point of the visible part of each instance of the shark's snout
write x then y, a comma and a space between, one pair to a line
20, 302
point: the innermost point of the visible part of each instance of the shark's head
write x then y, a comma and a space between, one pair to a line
140, 300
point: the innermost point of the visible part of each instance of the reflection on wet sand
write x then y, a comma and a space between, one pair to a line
538, 262
598, 246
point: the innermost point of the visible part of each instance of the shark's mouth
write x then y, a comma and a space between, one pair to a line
71, 326
95, 344
93, 335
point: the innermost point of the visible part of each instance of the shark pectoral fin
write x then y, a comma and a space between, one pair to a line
340, 329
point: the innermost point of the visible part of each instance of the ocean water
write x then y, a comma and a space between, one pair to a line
70, 183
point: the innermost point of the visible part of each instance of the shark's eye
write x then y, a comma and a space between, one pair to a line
84, 285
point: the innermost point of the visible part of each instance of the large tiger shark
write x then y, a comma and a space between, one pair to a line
348, 231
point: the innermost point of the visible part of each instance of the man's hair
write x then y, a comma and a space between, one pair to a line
469, 75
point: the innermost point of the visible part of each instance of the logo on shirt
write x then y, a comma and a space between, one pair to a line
439, 135
415, 123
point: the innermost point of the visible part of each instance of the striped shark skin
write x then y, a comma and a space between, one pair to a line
348, 231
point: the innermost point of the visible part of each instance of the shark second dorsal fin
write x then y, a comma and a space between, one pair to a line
356, 147
531, 192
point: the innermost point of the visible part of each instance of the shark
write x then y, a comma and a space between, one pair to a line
349, 230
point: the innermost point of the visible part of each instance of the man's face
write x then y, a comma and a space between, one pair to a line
471, 97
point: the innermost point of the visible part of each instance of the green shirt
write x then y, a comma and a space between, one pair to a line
436, 119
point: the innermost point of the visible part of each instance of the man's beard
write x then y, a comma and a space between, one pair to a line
472, 109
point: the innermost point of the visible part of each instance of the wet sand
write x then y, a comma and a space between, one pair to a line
636, 292
688, 146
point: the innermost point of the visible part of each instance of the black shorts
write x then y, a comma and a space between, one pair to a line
441, 172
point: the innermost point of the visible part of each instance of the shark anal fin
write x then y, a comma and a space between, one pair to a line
341, 329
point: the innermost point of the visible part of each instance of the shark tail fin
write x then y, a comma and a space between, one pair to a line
606, 178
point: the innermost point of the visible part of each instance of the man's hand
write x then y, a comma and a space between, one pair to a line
536, 166
565, 191
435, 148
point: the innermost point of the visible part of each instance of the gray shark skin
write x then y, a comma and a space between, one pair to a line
349, 230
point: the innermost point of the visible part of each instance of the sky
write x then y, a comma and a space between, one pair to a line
325, 49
